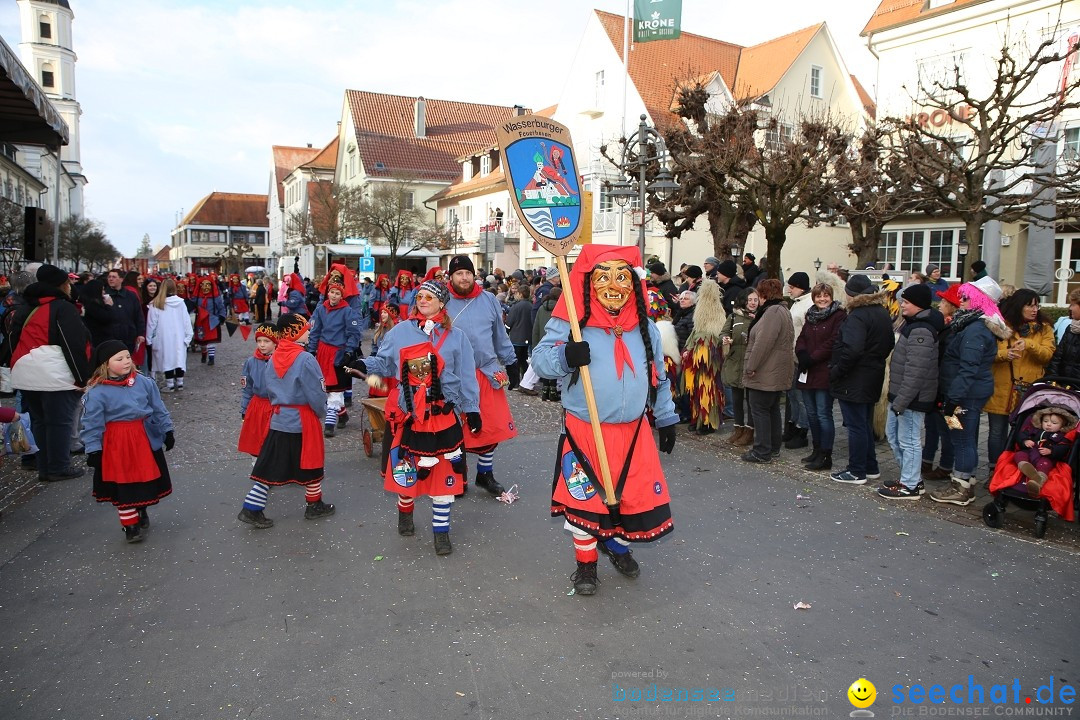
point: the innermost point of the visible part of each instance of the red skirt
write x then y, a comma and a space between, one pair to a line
126, 456
498, 423
334, 377
256, 425
240, 305
645, 514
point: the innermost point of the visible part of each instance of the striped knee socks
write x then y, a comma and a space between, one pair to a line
485, 462
256, 497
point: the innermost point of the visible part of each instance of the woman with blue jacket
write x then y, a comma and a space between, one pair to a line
966, 379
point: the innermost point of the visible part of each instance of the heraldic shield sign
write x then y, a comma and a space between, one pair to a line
542, 177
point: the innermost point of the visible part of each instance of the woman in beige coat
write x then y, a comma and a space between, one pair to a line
768, 368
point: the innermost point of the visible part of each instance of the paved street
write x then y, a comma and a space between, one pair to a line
342, 618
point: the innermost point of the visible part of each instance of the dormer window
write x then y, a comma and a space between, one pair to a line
933, 4
485, 165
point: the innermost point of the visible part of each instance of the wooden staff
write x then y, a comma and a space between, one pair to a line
586, 386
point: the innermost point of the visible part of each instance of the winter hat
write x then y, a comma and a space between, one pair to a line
952, 295
438, 290
291, 326
712, 261
693, 272
104, 352
750, 257
800, 280
551, 272
657, 268
859, 285
930, 269
267, 330
461, 262
978, 266
52, 275
728, 268
918, 295
1066, 415
988, 286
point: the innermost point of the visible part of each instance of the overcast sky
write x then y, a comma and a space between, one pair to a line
184, 97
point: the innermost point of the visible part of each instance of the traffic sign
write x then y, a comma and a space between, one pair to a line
367, 265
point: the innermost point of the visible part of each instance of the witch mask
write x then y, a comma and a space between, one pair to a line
613, 284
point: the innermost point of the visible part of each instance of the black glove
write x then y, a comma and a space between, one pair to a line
474, 421
358, 364
447, 408
804, 360
667, 438
170, 441
93, 459
948, 407
348, 359
577, 353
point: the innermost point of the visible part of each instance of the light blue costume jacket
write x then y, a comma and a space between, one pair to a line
339, 328
618, 400
254, 381
302, 384
106, 403
481, 318
458, 377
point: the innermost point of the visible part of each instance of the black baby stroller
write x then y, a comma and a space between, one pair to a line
1059, 492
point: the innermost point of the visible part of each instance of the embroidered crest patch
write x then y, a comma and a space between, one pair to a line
577, 482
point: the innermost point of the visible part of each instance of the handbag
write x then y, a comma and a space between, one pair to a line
1017, 391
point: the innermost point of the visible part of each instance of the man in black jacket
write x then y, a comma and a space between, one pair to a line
659, 278
727, 276
129, 325
857, 372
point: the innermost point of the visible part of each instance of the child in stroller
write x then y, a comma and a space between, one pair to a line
1046, 482
1044, 442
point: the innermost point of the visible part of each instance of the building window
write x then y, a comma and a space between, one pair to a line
599, 98
937, 74
941, 251
45, 29
466, 213
47, 79
410, 200
485, 165
912, 250
1071, 147
779, 136
815, 81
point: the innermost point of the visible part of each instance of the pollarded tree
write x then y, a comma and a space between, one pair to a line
972, 147
386, 213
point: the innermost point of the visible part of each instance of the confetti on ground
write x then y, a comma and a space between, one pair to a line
902, 533
509, 496
459, 694
378, 558
802, 606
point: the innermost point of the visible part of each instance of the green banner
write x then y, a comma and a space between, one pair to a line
656, 19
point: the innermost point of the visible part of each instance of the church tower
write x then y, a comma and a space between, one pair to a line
46, 51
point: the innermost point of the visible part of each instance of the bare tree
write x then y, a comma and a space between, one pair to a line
872, 187
12, 224
388, 214
319, 223
82, 241
971, 148
232, 256
705, 188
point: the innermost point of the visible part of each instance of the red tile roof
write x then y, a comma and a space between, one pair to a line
327, 157
222, 208
287, 159
761, 66
892, 13
656, 67
864, 97
492, 181
387, 142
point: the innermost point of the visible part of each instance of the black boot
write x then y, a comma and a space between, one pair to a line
203, 359
823, 462
585, 580
442, 543
789, 432
623, 562
144, 518
798, 439
405, 524
210, 361
487, 481
812, 456
328, 429
131, 532
318, 509
256, 518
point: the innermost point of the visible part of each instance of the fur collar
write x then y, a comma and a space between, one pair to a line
996, 325
878, 298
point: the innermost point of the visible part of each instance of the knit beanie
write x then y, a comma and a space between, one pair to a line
800, 280
439, 291
103, 352
918, 295
693, 272
52, 275
461, 262
712, 261
728, 268
291, 326
859, 285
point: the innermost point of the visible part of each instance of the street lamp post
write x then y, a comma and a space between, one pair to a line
455, 234
663, 185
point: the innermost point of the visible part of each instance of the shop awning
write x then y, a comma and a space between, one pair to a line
378, 251
26, 115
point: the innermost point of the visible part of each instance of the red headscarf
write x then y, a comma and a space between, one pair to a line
198, 291
348, 281
627, 319
296, 283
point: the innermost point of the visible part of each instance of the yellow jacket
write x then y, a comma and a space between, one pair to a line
1038, 349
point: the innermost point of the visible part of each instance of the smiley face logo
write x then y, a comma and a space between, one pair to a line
862, 693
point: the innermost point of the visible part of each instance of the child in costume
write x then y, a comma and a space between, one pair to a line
124, 427
388, 318
346, 278
295, 296
628, 377
379, 298
403, 293
433, 363
293, 451
239, 296
1044, 443
254, 404
209, 315
335, 342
